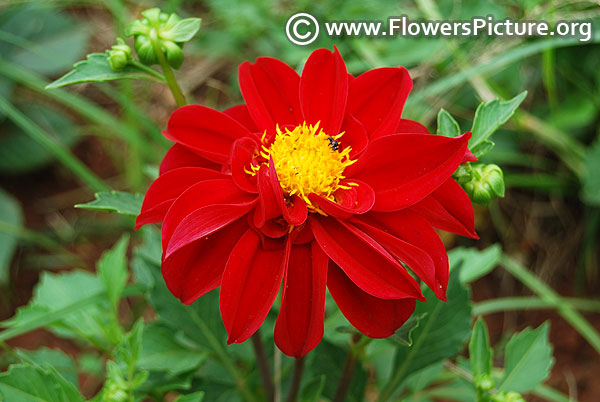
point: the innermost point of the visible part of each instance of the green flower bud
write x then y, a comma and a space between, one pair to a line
145, 50
174, 53
514, 397
119, 55
481, 182
483, 382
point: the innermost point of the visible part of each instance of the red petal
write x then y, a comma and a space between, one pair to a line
324, 90
270, 88
407, 126
167, 187
356, 200
405, 168
377, 98
376, 318
206, 131
365, 262
243, 155
469, 156
417, 231
268, 207
355, 136
449, 208
249, 286
241, 114
299, 326
179, 156
197, 268
211, 192
294, 209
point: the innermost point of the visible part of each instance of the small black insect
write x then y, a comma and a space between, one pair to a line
334, 144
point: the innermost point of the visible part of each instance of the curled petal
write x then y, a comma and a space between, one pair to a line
249, 286
299, 326
206, 131
294, 209
167, 187
403, 169
270, 89
243, 155
179, 156
355, 200
324, 90
365, 262
376, 318
268, 205
241, 114
377, 98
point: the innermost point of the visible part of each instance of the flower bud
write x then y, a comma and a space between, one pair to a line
483, 382
481, 182
174, 53
119, 55
507, 397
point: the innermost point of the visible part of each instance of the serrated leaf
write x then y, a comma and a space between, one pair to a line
54, 358
112, 269
489, 117
527, 360
116, 201
12, 215
441, 334
475, 263
183, 30
195, 397
480, 352
446, 125
403, 335
97, 69
25, 383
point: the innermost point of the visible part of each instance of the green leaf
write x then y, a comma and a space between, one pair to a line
440, 335
116, 201
480, 352
11, 217
528, 360
25, 383
97, 69
112, 269
183, 30
403, 335
483, 147
313, 389
20, 153
54, 358
446, 125
195, 397
475, 263
590, 191
161, 351
488, 118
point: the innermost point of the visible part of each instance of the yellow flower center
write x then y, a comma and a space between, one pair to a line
307, 160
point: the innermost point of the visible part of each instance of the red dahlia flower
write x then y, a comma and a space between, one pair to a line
316, 181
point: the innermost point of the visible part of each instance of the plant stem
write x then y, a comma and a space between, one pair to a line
531, 303
59, 150
296, 380
167, 71
263, 366
347, 372
563, 308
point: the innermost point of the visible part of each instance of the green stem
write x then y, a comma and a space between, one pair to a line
563, 308
263, 365
531, 303
167, 71
223, 357
52, 145
160, 77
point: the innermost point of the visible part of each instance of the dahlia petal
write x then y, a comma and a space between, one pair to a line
206, 131
179, 156
167, 187
355, 136
299, 326
268, 206
249, 286
205, 221
324, 90
210, 192
197, 268
376, 318
241, 114
355, 200
270, 89
407, 126
242, 157
415, 230
403, 169
365, 262
448, 208
469, 156
377, 98
294, 210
